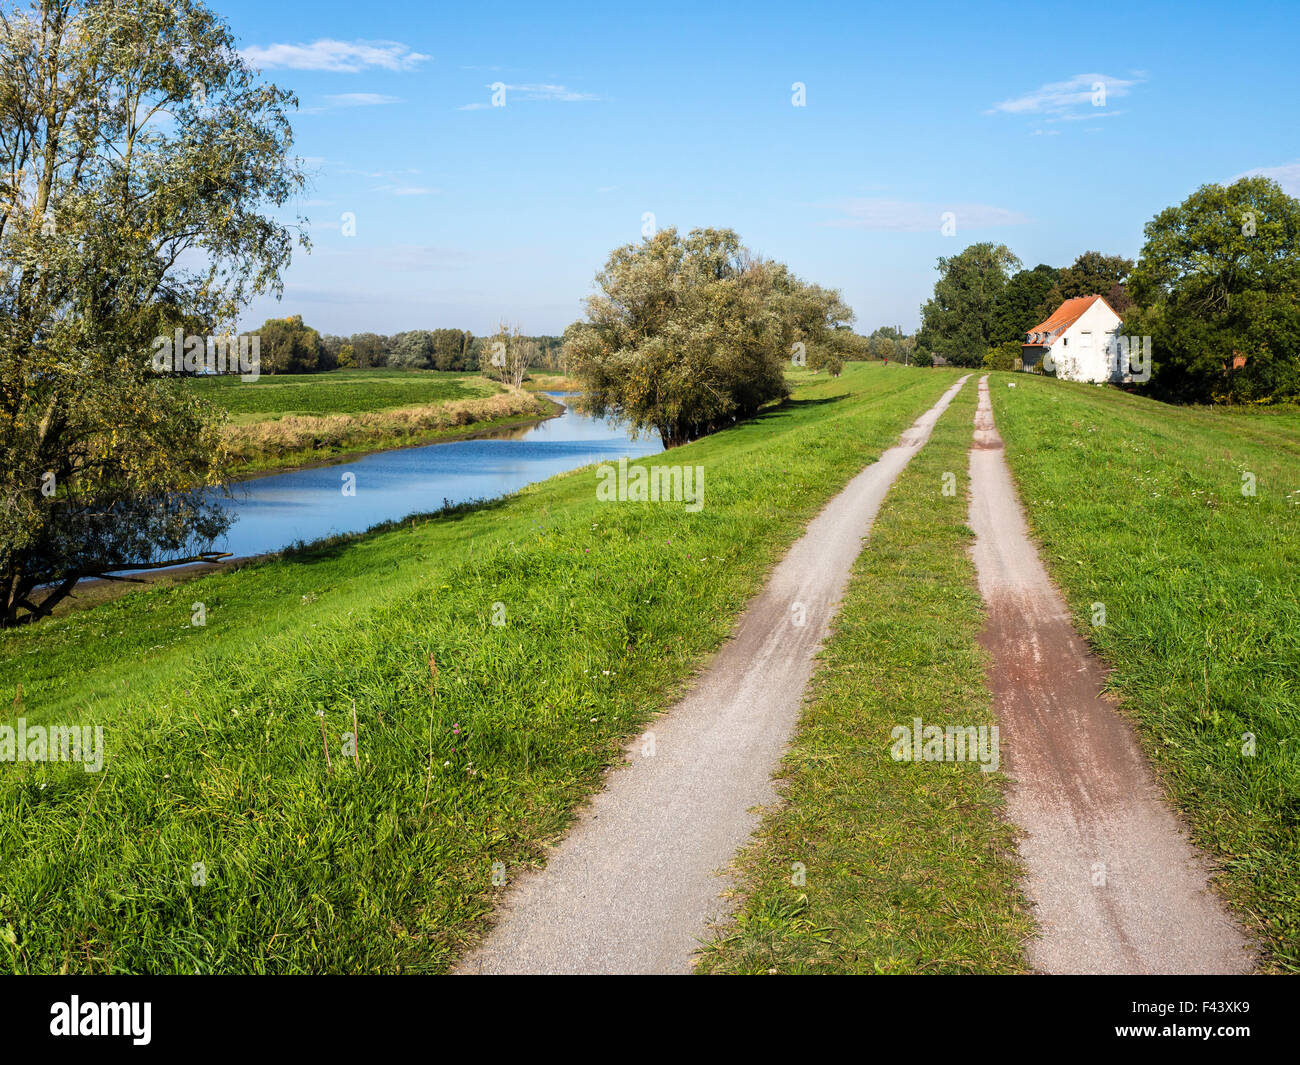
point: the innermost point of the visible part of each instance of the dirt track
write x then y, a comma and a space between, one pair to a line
635, 884
1117, 887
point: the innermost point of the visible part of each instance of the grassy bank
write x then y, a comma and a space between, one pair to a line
907, 866
475, 740
541, 381
286, 420
294, 440
1139, 508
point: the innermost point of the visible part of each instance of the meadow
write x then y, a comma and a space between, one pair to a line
1174, 534
336, 392
285, 420
232, 829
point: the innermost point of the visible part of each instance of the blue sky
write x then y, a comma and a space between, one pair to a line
468, 213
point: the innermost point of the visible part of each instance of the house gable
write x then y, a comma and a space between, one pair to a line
1079, 335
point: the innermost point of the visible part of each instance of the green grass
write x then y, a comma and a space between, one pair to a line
909, 867
336, 392
213, 739
1139, 507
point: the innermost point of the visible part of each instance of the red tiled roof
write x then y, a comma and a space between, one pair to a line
1065, 316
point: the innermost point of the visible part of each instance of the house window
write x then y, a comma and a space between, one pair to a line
1065, 342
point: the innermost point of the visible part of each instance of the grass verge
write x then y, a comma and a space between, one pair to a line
1145, 511
907, 867
217, 838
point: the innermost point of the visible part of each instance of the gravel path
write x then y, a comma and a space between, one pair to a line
635, 885
1116, 886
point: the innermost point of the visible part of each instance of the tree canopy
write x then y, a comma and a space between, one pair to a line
959, 320
1218, 283
686, 335
138, 153
289, 346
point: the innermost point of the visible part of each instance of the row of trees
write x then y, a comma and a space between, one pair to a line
985, 301
430, 349
1216, 287
288, 345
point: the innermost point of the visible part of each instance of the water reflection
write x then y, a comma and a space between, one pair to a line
275, 511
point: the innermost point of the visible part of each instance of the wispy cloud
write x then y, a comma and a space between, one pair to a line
361, 99
1070, 99
346, 57
407, 190
1287, 175
550, 92
540, 92
387, 175
904, 216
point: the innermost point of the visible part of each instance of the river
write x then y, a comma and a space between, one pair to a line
277, 510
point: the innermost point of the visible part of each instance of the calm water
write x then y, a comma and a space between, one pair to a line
273, 512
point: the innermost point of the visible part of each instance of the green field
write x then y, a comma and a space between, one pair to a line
907, 867
214, 735
336, 392
1139, 507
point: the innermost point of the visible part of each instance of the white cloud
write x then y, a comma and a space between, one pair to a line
1065, 99
407, 190
1287, 175
346, 57
536, 92
390, 175
903, 216
550, 92
361, 99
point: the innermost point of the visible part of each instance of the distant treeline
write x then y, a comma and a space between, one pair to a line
1216, 288
288, 345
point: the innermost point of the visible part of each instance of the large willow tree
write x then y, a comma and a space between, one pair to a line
138, 153
687, 335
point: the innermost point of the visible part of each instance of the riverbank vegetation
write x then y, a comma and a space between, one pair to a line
288, 420
139, 209
688, 335
295, 440
219, 838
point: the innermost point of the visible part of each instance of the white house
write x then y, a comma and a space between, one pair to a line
1082, 340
